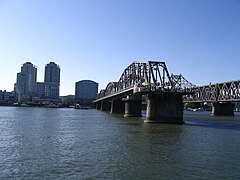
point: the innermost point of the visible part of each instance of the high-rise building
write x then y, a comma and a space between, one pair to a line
26, 86
21, 86
40, 89
52, 80
31, 72
86, 89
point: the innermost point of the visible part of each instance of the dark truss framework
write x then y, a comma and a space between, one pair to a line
152, 75
180, 82
221, 92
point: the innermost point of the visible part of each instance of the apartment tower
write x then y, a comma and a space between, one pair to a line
26, 85
52, 81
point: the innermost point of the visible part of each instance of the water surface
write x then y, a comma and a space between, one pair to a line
51, 143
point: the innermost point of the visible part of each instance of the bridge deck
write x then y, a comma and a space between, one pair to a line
119, 93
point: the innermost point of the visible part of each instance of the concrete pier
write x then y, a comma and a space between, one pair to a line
105, 105
133, 106
165, 108
223, 109
117, 106
98, 105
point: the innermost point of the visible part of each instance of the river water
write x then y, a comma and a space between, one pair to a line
51, 143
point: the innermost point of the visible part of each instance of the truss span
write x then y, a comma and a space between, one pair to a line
145, 77
151, 76
220, 92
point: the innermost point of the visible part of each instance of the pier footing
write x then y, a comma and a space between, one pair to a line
117, 106
105, 106
165, 108
133, 106
223, 109
98, 105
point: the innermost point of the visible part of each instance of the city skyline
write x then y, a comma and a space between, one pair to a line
27, 88
98, 40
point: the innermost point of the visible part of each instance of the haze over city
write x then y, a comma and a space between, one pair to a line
96, 40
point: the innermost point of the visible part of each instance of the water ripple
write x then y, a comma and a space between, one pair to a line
39, 143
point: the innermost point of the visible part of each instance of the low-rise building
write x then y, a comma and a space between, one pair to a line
6, 96
1, 95
86, 92
86, 89
68, 100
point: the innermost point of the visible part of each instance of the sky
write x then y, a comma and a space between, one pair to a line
98, 39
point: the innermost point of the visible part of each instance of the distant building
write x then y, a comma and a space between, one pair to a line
26, 86
40, 89
52, 81
68, 100
1, 95
6, 96
237, 104
21, 86
31, 72
9, 96
86, 89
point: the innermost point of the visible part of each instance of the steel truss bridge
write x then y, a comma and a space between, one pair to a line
220, 92
153, 76
146, 77
165, 93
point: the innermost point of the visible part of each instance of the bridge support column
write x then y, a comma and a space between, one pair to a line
223, 109
165, 108
117, 106
133, 106
105, 106
98, 105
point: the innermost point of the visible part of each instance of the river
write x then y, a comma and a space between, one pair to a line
63, 143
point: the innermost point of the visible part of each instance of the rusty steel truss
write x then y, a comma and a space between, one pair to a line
220, 92
147, 76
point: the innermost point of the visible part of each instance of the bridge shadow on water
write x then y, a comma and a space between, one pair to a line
206, 120
192, 119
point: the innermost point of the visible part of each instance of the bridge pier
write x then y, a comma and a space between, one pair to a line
133, 106
223, 109
98, 105
117, 106
105, 106
165, 108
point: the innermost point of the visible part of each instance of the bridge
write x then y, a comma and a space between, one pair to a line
164, 93
151, 79
221, 95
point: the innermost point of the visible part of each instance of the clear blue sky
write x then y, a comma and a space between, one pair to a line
97, 39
